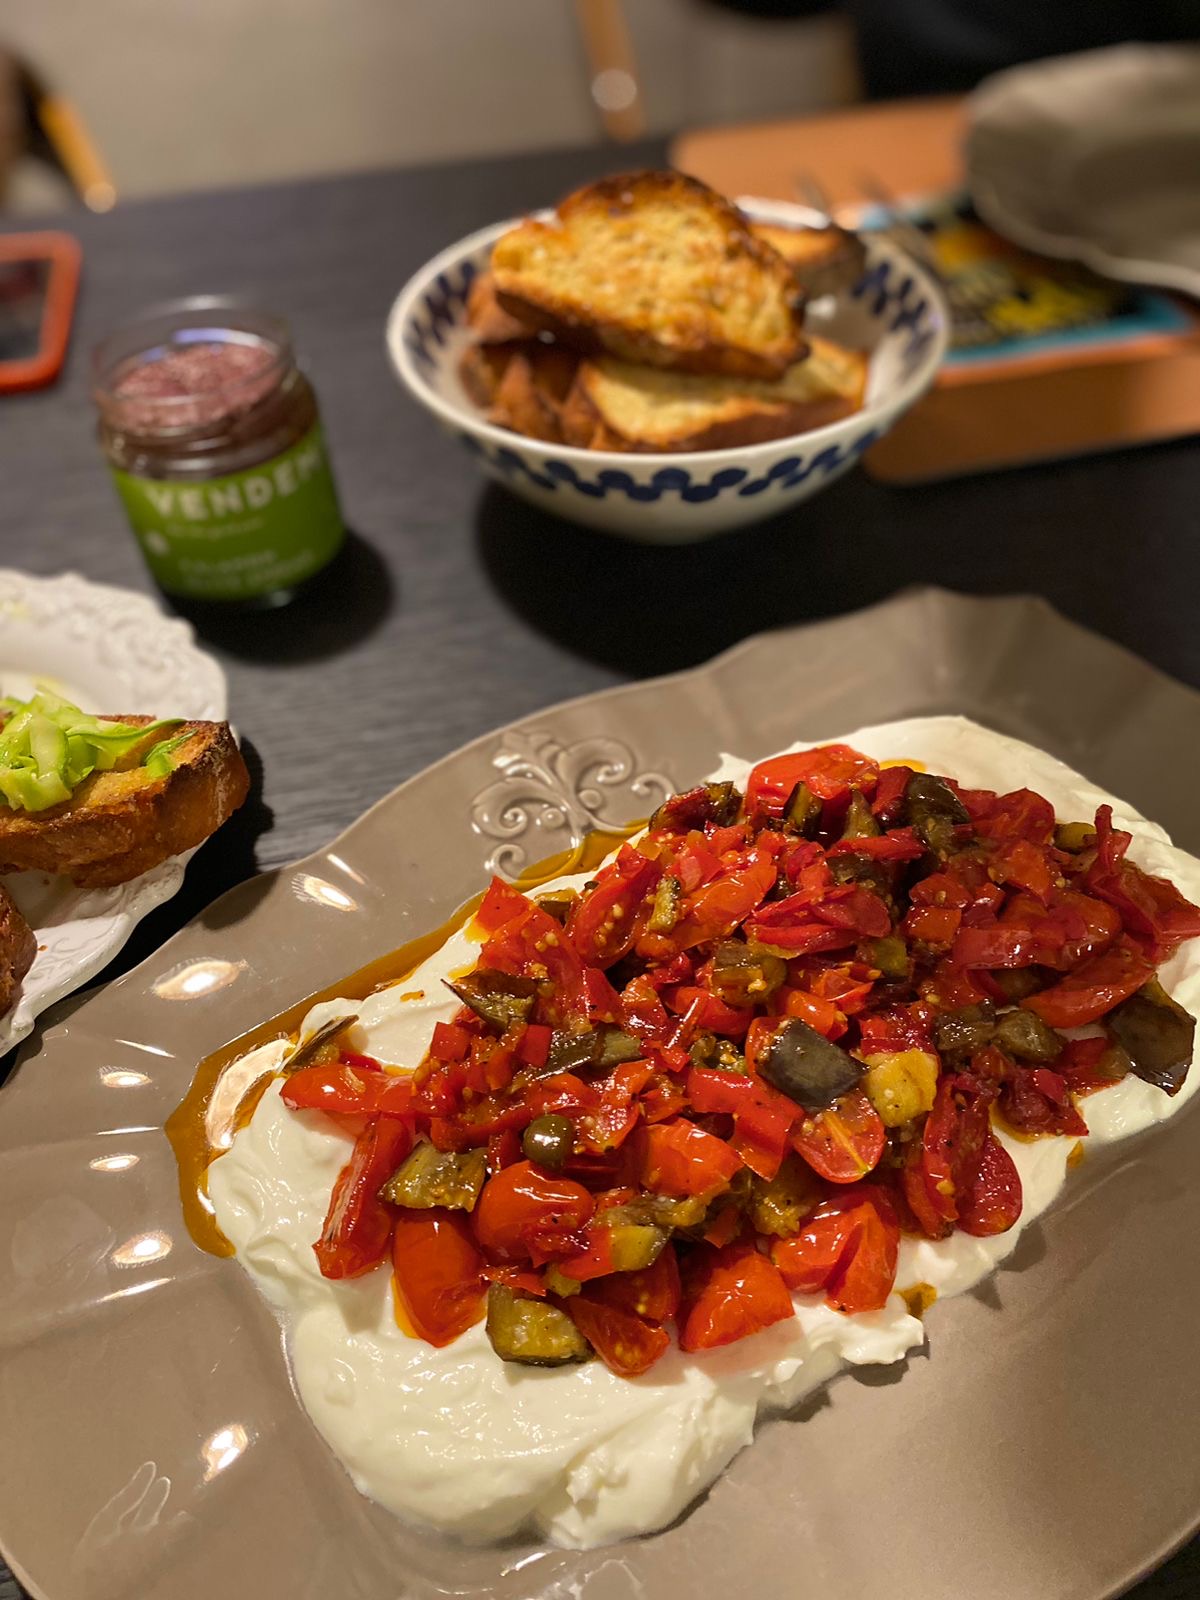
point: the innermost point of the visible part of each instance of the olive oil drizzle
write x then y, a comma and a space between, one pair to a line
187, 1126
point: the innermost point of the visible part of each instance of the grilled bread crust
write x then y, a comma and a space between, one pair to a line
491, 322
18, 946
822, 259
521, 385
656, 268
615, 406
120, 823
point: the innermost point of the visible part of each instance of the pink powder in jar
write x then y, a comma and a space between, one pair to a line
195, 385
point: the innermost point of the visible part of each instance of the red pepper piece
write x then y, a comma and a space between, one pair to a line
1094, 988
344, 1090
358, 1224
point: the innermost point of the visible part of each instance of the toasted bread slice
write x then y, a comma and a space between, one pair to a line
18, 946
521, 386
120, 823
822, 259
616, 406
481, 369
491, 323
656, 268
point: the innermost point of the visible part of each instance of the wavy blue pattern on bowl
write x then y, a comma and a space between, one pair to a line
439, 312
789, 473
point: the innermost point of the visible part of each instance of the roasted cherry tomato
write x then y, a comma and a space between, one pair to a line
716, 908
1094, 988
1025, 865
899, 844
916, 1194
627, 1344
991, 1199
678, 1158
908, 1027
1020, 814
345, 1090
358, 1224
604, 921
827, 1018
652, 1292
1036, 1100
525, 1212
848, 1248
449, 1042
642, 1012
525, 939
888, 801
954, 1136
828, 772
809, 1260
844, 1143
437, 1272
933, 926
1152, 909
730, 1293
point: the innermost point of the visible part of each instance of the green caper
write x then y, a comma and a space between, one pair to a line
549, 1141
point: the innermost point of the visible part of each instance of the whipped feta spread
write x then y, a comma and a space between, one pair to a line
478, 1447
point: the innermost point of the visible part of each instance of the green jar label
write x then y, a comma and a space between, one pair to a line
242, 536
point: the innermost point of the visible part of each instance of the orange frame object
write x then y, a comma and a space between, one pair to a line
64, 256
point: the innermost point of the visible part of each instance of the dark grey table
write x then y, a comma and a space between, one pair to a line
456, 608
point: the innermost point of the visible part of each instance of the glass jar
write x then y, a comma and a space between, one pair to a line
214, 440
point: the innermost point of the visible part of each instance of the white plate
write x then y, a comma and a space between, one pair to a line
108, 650
1096, 157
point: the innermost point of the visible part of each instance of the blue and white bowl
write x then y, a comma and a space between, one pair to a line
895, 312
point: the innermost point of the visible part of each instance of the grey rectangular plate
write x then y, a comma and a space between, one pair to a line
1044, 1447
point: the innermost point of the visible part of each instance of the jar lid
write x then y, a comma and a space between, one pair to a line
189, 366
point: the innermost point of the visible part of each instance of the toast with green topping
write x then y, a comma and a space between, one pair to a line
161, 796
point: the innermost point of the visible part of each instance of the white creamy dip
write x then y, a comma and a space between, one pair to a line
479, 1447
